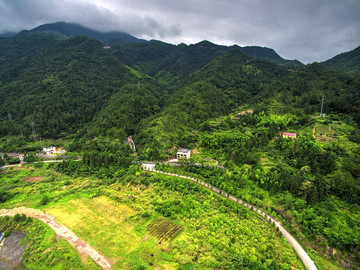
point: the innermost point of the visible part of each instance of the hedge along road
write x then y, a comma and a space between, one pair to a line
305, 258
81, 246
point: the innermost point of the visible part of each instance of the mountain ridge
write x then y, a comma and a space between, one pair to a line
72, 29
346, 61
113, 38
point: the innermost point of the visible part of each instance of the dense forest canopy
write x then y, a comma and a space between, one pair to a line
59, 88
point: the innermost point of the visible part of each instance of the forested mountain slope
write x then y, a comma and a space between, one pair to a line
144, 57
59, 88
304, 89
270, 55
121, 115
228, 81
347, 61
18, 46
169, 63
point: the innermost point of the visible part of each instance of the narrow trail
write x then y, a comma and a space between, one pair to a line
81, 246
314, 131
305, 258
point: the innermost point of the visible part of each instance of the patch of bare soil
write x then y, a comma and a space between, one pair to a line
33, 179
11, 252
195, 151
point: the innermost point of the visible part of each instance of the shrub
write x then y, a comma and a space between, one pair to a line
44, 200
145, 215
7, 233
67, 182
14, 160
17, 217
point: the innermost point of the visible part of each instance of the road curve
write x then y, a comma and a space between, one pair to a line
305, 258
81, 246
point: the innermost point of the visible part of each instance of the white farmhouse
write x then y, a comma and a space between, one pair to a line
183, 153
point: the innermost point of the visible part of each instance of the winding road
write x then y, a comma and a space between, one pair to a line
305, 258
81, 246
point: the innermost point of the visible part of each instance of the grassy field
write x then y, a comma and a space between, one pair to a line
101, 222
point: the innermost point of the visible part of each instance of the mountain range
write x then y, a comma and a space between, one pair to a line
63, 81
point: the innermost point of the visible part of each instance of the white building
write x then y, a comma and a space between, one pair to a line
183, 153
148, 166
50, 150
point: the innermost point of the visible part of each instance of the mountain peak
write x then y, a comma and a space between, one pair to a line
72, 29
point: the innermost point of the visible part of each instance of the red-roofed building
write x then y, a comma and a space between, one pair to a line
288, 135
21, 157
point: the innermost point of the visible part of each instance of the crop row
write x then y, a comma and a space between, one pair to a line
164, 229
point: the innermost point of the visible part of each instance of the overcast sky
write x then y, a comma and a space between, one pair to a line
307, 30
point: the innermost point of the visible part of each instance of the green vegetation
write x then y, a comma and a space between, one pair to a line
58, 88
88, 99
216, 232
43, 250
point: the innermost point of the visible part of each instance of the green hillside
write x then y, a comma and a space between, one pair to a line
125, 109
304, 89
171, 64
59, 88
227, 82
16, 47
270, 55
347, 61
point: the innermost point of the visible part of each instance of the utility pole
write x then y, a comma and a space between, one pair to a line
322, 106
33, 129
9, 116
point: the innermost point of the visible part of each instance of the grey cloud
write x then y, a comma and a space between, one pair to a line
309, 30
25, 14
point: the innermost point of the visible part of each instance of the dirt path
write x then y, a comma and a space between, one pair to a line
314, 131
305, 258
81, 246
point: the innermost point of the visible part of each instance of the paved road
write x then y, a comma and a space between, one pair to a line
81, 246
305, 258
